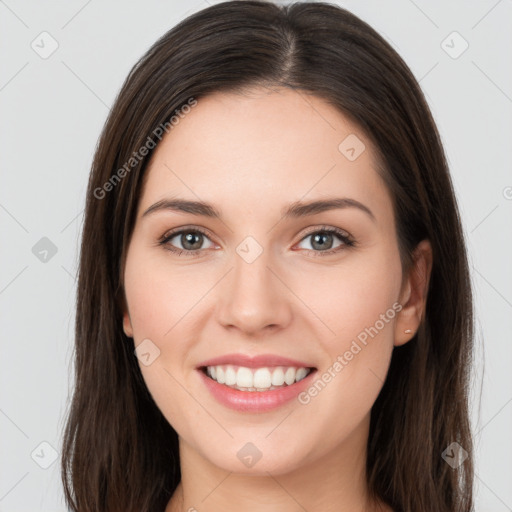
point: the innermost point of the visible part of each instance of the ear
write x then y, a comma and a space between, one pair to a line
127, 323
413, 297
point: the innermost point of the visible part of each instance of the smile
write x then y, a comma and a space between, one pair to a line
256, 379
255, 384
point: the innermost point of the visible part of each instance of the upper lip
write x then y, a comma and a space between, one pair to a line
259, 361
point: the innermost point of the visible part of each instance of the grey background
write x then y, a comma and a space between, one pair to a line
52, 112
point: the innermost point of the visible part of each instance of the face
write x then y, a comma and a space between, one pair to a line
266, 290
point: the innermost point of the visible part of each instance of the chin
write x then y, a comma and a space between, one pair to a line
257, 458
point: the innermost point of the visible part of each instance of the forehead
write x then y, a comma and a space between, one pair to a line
262, 149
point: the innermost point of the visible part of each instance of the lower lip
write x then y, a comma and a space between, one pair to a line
255, 401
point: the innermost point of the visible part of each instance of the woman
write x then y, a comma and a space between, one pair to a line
274, 306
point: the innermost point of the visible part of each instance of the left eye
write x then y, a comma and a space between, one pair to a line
324, 240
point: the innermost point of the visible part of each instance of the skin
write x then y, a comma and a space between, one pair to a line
250, 155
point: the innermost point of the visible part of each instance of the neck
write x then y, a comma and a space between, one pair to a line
335, 481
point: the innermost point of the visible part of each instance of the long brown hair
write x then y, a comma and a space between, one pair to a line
119, 452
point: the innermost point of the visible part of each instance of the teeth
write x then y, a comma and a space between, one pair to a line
262, 378
230, 376
278, 377
221, 379
244, 378
289, 376
256, 379
301, 373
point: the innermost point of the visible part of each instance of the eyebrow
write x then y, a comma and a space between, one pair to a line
296, 209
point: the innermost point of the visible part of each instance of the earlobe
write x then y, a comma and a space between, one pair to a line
127, 325
414, 296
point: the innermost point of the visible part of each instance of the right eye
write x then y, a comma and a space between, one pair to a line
190, 241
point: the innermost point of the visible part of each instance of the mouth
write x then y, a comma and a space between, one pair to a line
255, 384
259, 380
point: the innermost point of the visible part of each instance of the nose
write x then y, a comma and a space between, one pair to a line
253, 299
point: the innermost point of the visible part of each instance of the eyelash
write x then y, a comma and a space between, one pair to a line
347, 240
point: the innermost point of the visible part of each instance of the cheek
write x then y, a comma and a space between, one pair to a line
353, 296
160, 302
358, 302
159, 296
